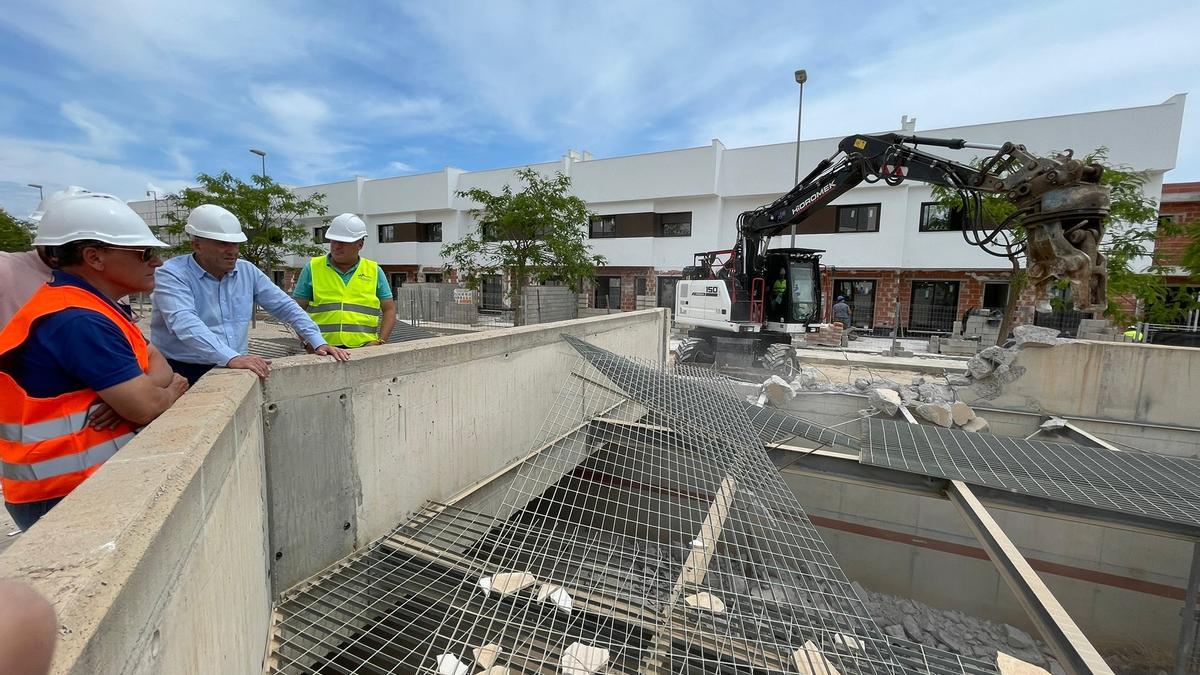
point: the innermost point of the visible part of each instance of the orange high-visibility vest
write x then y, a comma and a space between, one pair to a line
46, 447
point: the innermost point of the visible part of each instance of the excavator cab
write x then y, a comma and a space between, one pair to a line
793, 287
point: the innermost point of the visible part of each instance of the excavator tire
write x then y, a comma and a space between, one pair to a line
781, 360
693, 350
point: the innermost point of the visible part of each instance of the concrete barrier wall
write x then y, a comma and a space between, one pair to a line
158, 562
351, 451
1155, 384
1120, 587
161, 562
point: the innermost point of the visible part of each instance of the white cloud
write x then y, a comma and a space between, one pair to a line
400, 167
105, 137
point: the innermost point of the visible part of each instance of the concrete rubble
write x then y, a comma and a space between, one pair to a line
1035, 335
938, 413
955, 631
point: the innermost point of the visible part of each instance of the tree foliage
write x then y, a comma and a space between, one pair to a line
1128, 240
536, 234
14, 233
269, 212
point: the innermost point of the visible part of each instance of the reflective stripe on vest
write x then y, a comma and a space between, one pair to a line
46, 447
347, 312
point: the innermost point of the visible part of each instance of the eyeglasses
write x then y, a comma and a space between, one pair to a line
147, 254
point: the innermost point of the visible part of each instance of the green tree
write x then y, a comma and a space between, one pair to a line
269, 212
1128, 240
536, 234
14, 233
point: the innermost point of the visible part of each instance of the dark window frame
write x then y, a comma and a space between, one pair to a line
319, 234
846, 207
437, 277
608, 291
431, 232
673, 220
984, 293
391, 236
953, 218
610, 233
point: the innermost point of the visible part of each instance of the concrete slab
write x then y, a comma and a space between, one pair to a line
917, 364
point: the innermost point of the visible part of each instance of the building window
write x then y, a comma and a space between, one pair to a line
389, 233
319, 234
277, 277
431, 232
858, 218
433, 278
398, 279
607, 293
934, 307
603, 227
675, 224
860, 295
639, 285
995, 295
937, 217
666, 291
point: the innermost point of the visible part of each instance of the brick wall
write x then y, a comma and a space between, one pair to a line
1168, 249
628, 276
892, 285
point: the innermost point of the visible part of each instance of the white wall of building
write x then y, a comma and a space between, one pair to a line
716, 184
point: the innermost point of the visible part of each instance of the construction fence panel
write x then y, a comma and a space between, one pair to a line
544, 304
425, 303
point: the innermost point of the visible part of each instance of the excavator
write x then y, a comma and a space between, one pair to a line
749, 298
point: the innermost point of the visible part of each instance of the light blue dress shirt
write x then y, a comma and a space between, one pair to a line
200, 319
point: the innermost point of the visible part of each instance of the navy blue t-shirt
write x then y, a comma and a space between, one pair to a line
73, 349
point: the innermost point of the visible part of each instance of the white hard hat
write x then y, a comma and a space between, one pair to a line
71, 191
213, 222
346, 227
92, 215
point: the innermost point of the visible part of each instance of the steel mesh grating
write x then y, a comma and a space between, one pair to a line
1151, 485
646, 490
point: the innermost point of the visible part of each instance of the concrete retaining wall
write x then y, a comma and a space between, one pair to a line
1119, 586
352, 451
158, 562
162, 561
1155, 384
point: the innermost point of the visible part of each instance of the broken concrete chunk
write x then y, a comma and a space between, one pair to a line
957, 380
998, 355
507, 583
1008, 665
1038, 336
1053, 424
909, 394
778, 391
848, 641
979, 367
581, 659
449, 664
707, 601
961, 412
884, 400
976, 425
938, 413
934, 393
810, 661
862, 384
557, 595
486, 655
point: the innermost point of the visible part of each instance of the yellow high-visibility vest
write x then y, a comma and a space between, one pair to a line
347, 313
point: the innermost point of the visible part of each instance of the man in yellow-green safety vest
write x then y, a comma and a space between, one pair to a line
347, 295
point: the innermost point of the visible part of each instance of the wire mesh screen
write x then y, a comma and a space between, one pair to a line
646, 531
1145, 484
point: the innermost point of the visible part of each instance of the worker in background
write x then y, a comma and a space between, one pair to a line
346, 294
203, 302
779, 293
76, 375
841, 311
28, 630
22, 273
1132, 334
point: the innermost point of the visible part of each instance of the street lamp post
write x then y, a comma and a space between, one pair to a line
801, 78
266, 211
41, 196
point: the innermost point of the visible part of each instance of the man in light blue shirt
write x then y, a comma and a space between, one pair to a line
203, 302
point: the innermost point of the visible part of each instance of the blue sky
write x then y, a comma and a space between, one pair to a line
123, 95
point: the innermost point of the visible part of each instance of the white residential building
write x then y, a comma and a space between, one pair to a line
663, 207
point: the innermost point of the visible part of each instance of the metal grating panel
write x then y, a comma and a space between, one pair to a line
645, 489
1144, 484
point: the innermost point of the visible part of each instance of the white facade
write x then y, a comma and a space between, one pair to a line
716, 183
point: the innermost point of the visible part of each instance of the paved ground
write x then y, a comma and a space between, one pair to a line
6, 528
